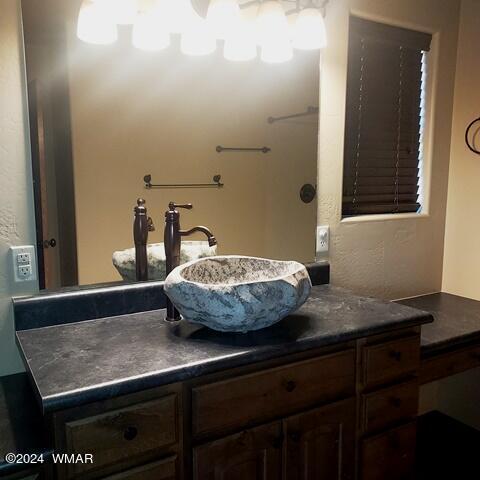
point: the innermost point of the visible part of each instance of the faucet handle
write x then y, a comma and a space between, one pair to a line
172, 206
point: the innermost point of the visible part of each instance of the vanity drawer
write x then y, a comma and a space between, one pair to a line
161, 470
389, 406
391, 360
390, 455
251, 399
139, 431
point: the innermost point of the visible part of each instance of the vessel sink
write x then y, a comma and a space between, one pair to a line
124, 260
236, 293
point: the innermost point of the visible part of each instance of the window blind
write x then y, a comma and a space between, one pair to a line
383, 119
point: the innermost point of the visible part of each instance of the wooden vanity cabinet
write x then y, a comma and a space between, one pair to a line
339, 413
253, 454
135, 436
388, 388
320, 443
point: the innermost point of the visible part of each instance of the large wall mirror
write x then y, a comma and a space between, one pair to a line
105, 116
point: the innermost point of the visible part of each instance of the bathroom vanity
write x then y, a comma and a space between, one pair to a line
329, 392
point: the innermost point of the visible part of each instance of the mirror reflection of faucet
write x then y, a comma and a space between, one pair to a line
143, 224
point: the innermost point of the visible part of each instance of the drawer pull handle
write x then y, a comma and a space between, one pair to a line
396, 355
130, 433
290, 386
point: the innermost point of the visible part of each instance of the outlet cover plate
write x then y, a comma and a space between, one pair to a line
24, 263
323, 238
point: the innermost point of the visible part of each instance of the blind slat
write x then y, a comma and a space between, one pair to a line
381, 198
378, 209
381, 181
379, 189
391, 35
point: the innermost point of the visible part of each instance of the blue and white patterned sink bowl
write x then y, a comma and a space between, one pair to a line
238, 294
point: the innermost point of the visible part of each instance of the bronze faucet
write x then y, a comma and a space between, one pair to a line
173, 238
141, 226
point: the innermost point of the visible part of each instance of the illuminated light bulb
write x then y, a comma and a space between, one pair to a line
95, 24
292, 20
278, 51
123, 12
273, 33
309, 31
271, 22
240, 45
198, 39
149, 33
179, 15
222, 17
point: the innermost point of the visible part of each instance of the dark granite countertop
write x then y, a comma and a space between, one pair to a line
93, 360
21, 423
457, 321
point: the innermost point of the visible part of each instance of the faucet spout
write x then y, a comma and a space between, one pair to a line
173, 240
212, 241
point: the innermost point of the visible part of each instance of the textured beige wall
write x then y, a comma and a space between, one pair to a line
400, 257
16, 202
459, 396
462, 237
164, 113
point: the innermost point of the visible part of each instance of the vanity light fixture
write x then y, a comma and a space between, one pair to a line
273, 34
243, 26
149, 32
198, 39
240, 44
309, 31
123, 11
223, 17
179, 15
95, 24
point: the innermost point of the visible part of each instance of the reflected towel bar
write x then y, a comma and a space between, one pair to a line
221, 149
310, 111
216, 183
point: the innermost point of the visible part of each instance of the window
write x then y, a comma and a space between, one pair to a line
383, 123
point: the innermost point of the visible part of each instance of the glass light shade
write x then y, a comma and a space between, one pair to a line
198, 39
123, 11
277, 51
222, 17
309, 31
240, 45
149, 33
179, 15
271, 22
95, 24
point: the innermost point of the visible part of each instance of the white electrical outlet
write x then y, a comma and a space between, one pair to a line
323, 239
24, 263
23, 258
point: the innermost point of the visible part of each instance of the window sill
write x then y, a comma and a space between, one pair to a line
384, 217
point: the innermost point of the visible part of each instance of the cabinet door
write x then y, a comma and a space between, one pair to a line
390, 455
254, 454
320, 444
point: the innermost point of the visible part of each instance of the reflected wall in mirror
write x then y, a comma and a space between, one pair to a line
104, 116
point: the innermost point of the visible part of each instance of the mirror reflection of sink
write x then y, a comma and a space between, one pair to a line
124, 260
238, 294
